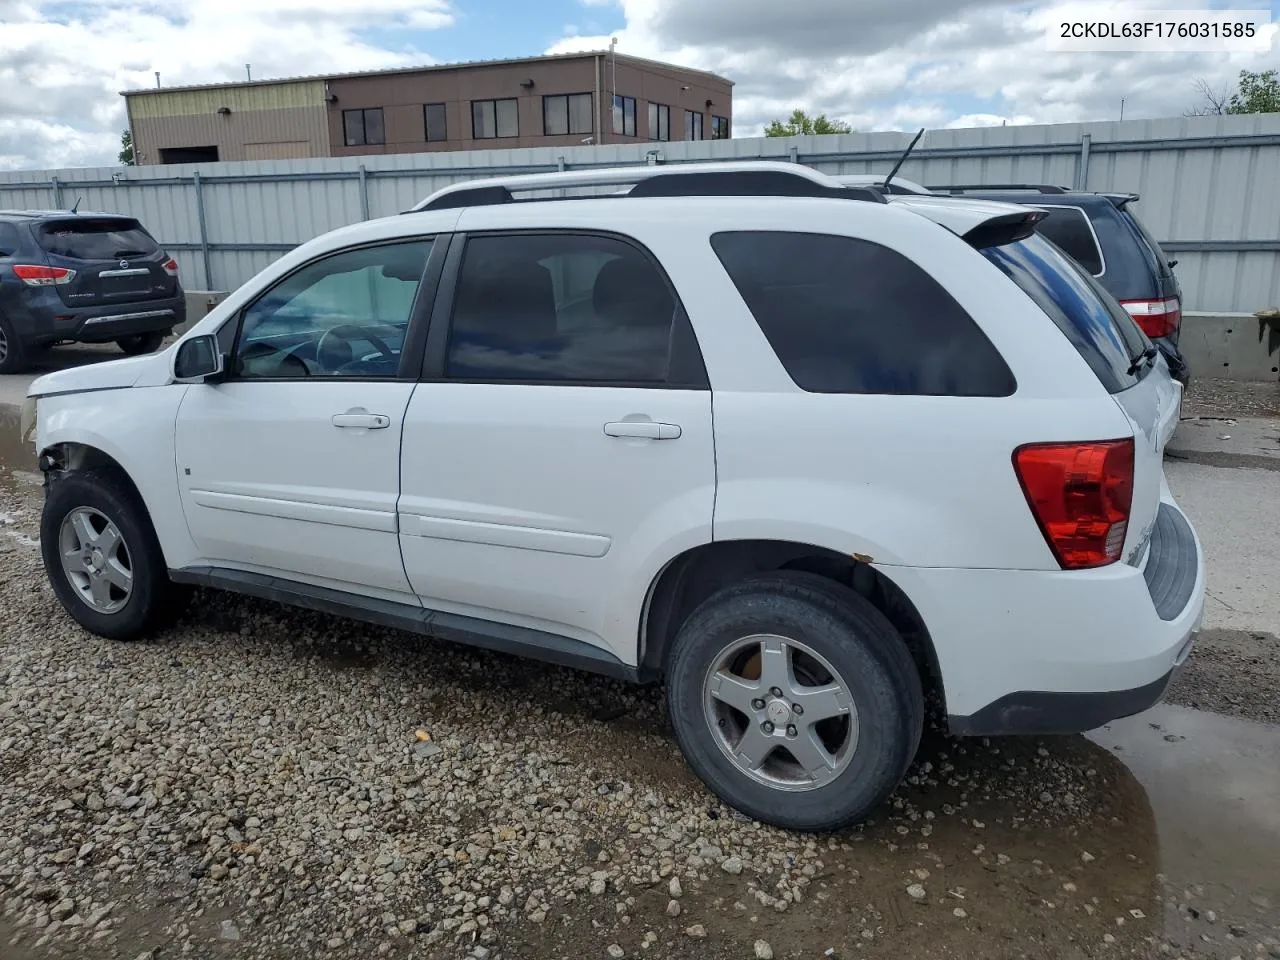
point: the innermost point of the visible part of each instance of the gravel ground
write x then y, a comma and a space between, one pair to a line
253, 783
1231, 399
1232, 672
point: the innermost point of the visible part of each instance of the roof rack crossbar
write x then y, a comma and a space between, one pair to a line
731, 178
962, 187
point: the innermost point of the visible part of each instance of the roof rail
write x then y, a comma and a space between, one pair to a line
743, 178
963, 187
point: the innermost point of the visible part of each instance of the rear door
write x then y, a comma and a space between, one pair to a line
561, 438
1111, 343
115, 261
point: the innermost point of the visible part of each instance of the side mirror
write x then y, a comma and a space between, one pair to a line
198, 359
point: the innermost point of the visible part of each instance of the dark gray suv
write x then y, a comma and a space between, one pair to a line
82, 277
1102, 233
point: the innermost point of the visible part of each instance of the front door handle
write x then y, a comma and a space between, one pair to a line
647, 429
367, 421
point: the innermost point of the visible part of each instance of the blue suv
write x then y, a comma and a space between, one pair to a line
82, 277
1102, 233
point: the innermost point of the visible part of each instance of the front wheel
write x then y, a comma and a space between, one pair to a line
102, 556
13, 357
795, 701
141, 343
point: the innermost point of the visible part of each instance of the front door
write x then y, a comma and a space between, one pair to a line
560, 449
291, 465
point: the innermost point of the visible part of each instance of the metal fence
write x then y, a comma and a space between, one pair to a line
1210, 189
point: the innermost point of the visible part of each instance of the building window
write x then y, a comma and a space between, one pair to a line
659, 121
719, 128
566, 113
624, 115
692, 125
494, 118
362, 127
433, 121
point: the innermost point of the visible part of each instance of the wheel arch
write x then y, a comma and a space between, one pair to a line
697, 573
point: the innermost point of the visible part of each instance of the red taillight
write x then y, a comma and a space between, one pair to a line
37, 276
1157, 318
170, 267
1080, 494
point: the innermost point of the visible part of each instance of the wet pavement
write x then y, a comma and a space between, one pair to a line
1155, 836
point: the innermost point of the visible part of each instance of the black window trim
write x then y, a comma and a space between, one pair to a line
364, 127
1102, 256
568, 115
714, 124
496, 135
1013, 377
415, 333
426, 126
437, 338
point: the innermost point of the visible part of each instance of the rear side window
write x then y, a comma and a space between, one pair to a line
1069, 228
850, 316
9, 240
97, 239
1099, 328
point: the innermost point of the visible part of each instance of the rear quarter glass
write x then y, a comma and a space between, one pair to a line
1097, 326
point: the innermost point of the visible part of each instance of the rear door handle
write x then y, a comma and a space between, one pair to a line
647, 429
367, 421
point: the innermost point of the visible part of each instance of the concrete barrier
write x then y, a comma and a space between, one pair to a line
1233, 346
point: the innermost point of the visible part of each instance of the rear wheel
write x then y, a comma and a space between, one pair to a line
141, 343
13, 357
795, 701
102, 556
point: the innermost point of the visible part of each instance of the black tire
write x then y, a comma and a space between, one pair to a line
867, 653
13, 353
141, 343
153, 599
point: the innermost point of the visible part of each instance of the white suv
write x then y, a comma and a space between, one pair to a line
811, 457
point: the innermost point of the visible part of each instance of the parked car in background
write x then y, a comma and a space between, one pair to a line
934, 474
1104, 235
82, 277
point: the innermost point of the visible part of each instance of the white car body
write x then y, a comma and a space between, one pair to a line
507, 504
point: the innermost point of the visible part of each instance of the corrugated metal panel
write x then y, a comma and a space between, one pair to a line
185, 103
1202, 179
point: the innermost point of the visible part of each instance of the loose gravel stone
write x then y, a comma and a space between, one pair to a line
673, 908
697, 931
916, 892
733, 865
763, 950
616, 951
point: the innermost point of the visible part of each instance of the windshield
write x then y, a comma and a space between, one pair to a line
1099, 328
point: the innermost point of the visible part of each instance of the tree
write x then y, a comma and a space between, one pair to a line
1258, 93
801, 124
126, 149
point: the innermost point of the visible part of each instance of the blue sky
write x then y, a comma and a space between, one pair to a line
877, 64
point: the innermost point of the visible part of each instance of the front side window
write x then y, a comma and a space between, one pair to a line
363, 127
624, 115
659, 121
494, 118
565, 114
343, 316
1069, 228
560, 307
845, 315
433, 120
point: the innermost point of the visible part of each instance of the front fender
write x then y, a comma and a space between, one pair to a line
135, 428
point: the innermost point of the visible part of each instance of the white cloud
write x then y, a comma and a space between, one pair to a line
895, 64
60, 73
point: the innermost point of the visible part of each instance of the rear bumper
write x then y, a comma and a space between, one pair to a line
1039, 651
48, 320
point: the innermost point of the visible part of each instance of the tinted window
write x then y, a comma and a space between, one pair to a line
1069, 228
9, 241
850, 316
345, 315
100, 239
1160, 261
362, 127
560, 307
1101, 330
433, 119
